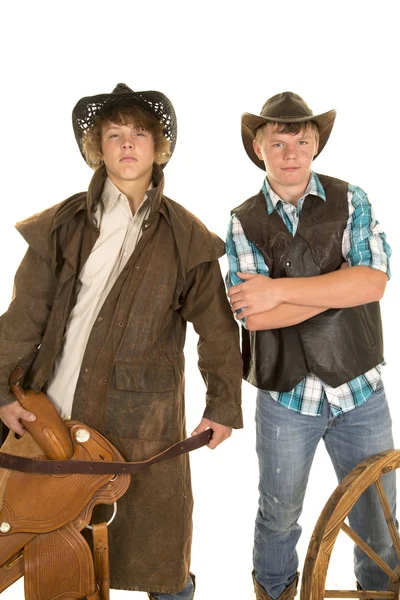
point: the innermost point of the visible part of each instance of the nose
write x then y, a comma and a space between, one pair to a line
127, 142
290, 152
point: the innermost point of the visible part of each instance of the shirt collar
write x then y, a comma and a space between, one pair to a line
314, 188
111, 195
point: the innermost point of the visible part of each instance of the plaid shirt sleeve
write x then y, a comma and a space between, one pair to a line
243, 255
364, 242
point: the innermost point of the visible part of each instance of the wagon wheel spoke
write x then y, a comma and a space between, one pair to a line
393, 576
394, 534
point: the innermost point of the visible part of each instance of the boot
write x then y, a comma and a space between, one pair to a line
288, 594
152, 597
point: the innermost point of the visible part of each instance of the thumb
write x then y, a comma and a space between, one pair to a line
28, 416
202, 426
246, 276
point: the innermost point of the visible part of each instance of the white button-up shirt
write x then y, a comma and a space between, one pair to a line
120, 231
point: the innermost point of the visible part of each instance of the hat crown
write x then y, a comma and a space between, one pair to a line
122, 88
286, 105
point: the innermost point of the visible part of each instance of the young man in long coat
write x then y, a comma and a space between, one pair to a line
98, 321
308, 265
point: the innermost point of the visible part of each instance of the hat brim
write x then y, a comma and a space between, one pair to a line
250, 124
87, 109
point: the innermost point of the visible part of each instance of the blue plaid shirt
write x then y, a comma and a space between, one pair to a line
363, 243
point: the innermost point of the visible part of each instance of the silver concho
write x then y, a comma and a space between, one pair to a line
82, 435
5, 527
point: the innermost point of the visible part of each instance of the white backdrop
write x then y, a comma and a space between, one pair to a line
214, 60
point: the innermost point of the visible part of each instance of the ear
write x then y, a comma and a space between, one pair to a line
256, 148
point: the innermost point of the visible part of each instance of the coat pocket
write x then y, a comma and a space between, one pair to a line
141, 402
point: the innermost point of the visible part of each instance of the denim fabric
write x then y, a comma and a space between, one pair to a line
286, 445
186, 594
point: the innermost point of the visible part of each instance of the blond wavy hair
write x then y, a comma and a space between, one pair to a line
125, 115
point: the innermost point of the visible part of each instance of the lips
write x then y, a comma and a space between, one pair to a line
128, 159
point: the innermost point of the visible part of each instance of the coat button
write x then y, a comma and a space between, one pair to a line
100, 320
288, 264
121, 324
146, 225
85, 370
104, 381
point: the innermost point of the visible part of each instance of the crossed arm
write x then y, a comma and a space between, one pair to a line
274, 303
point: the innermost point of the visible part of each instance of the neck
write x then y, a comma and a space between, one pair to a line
291, 193
133, 190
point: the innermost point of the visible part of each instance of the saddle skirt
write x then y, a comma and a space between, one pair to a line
41, 515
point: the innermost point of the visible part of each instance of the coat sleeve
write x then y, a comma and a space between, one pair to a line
206, 306
22, 326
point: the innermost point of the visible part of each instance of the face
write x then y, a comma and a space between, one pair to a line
287, 157
128, 152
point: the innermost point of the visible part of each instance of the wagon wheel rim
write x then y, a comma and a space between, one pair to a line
331, 521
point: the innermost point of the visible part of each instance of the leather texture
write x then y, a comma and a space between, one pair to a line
44, 525
288, 594
40, 529
278, 359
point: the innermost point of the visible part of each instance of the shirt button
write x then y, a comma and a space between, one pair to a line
125, 254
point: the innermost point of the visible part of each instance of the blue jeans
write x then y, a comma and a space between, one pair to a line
286, 445
186, 594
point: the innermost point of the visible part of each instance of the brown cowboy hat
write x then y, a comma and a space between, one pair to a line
85, 111
286, 107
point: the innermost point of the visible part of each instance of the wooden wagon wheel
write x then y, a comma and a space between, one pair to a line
331, 521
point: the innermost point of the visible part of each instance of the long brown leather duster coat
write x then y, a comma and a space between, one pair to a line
131, 383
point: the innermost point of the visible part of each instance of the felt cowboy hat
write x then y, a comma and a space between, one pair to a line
286, 107
85, 111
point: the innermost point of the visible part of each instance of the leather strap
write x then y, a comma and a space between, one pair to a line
101, 560
96, 467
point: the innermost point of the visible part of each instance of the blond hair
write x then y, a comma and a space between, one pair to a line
292, 128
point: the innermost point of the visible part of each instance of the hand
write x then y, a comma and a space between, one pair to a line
257, 293
221, 432
11, 415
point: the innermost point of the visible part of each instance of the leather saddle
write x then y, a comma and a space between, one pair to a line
50, 480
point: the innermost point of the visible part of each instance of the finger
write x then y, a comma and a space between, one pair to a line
16, 426
234, 290
26, 415
200, 427
216, 440
246, 276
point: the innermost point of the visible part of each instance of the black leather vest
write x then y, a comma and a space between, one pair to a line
337, 345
